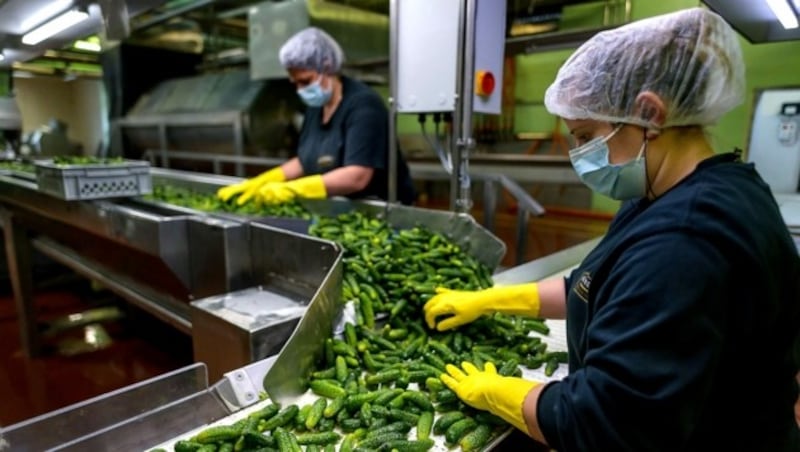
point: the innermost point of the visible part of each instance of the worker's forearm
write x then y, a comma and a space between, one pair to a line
529, 412
347, 179
292, 169
552, 299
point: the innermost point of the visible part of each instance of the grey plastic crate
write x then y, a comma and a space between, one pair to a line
94, 181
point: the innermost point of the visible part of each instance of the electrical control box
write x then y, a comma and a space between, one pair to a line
774, 147
490, 42
428, 36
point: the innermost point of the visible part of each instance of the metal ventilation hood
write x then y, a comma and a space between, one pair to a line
103, 16
754, 20
362, 33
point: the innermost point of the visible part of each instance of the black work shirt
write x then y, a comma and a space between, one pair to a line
356, 134
681, 325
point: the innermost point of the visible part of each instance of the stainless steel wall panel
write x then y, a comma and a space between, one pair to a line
219, 256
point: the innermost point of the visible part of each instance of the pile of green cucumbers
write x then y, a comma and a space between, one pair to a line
377, 384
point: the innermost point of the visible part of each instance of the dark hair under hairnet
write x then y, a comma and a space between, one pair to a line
691, 59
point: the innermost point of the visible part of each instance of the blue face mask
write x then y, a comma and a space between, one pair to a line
314, 95
621, 182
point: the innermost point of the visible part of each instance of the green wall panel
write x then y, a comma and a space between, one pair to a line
766, 65
5, 82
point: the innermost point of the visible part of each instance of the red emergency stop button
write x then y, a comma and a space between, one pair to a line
484, 83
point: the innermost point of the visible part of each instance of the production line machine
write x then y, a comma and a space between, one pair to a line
257, 298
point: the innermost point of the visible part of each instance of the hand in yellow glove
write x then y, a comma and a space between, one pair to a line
489, 391
311, 187
250, 187
464, 307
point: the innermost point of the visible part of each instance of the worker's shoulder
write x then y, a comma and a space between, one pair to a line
729, 188
358, 94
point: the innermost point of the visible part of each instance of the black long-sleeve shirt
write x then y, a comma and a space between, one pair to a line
357, 134
683, 325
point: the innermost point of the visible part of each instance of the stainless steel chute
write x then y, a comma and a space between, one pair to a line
162, 259
174, 404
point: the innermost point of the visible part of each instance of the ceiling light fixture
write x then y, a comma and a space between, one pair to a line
784, 12
88, 46
48, 12
54, 26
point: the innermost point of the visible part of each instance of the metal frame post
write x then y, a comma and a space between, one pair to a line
393, 55
19, 254
462, 143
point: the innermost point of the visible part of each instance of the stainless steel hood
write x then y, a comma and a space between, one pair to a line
220, 113
754, 20
362, 33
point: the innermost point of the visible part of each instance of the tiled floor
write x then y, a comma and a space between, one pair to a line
142, 347
71, 370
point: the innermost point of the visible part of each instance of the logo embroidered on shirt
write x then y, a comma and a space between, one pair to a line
581, 288
325, 161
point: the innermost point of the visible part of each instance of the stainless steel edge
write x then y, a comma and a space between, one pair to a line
546, 266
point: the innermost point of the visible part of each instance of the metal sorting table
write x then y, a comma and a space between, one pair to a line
159, 411
166, 260
197, 272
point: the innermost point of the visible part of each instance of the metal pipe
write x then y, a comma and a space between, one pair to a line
465, 142
162, 138
238, 143
393, 55
179, 11
489, 203
455, 155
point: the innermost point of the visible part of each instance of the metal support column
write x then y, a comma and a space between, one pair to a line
460, 198
162, 138
238, 144
19, 254
393, 54
489, 203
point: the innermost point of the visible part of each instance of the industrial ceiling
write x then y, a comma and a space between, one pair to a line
756, 21
218, 29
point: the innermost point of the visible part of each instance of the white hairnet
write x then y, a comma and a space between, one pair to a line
691, 59
312, 48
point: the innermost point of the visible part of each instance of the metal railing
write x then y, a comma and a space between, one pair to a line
491, 184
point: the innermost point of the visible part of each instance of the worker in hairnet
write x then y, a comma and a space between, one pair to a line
682, 324
344, 140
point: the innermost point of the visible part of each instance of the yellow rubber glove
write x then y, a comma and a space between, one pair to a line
465, 306
489, 391
310, 187
250, 187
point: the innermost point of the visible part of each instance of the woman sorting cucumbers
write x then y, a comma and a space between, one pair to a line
343, 144
683, 322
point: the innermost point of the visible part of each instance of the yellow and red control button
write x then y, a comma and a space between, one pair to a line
484, 83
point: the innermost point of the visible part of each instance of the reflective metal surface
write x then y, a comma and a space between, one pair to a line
287, 376
544, 267
224, 113
127, 419
461, 228
289, 275
10, 117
